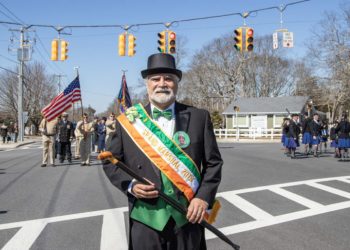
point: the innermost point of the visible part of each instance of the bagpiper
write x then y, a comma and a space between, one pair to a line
343, 130
292, 140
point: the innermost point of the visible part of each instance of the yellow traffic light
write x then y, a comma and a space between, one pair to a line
64, 50
161, 42
54, 50
131, 45
238, 39
249, 39
171, 42
121, 45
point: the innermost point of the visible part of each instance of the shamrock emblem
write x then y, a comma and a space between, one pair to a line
131, 113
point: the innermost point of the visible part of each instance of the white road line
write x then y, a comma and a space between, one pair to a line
26, 236
296, 198
60, 218
345, 180
330, 189
247, 207
113, 235
254, 189
248, 226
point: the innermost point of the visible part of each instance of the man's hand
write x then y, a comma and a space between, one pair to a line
196, 210
144, 191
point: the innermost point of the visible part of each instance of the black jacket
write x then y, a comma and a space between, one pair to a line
65, 131
343, 129
315, 128
203, 150
293, 130
305, 125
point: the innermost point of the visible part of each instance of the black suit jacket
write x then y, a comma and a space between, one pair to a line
203, 150
65, 131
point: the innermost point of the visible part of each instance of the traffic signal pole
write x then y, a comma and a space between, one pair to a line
20, 89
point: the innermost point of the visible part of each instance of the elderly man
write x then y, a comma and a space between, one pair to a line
111, 124
65, 136
174, 147
85, 128
48, 130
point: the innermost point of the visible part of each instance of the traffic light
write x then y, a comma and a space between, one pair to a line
131, 45
64, 50
171, 42
161, 42
238, 39
54, 50
249, 39
121, 45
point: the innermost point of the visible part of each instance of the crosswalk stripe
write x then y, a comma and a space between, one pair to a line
249, 208
330, 189
297, 198
113, 234
26, 236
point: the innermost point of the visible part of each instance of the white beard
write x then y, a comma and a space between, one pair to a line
163, 98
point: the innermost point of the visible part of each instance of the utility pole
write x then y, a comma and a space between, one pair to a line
59, 81
20, 89
23, 54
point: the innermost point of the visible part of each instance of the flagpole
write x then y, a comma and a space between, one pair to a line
81, 100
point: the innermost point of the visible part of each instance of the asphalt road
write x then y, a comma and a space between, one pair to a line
268, 201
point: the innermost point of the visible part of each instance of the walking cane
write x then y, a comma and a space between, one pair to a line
108, 156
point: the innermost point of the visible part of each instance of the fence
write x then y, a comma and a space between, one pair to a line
248, 133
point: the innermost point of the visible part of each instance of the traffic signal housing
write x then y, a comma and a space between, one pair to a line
64, 50
162, 42
171, 42
131, 45
238, 39
121, 45
54, 50
249, 39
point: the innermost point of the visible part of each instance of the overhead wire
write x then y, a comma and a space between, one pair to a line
244, 15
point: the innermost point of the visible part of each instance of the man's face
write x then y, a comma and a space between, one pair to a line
64, 117
162, 88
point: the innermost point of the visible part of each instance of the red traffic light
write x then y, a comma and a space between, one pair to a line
172, 35
250, 32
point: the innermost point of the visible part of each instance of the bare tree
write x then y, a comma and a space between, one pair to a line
38, 92
329, 52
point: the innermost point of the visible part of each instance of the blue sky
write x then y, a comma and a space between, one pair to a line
94, 51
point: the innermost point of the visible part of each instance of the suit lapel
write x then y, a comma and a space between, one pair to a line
182, 118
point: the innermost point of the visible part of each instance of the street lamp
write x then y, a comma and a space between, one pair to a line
236, 109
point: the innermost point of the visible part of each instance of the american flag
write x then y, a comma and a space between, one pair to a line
124, 99
63, 101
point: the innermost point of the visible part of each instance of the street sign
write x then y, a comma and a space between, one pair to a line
288, 39
275, 40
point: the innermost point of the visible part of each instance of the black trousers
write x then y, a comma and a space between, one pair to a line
65, 149
188, 237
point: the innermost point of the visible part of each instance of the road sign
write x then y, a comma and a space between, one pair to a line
275, 40
288, 39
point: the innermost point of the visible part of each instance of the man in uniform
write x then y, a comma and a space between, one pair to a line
48, 130
293, 135
85, 129
153, 223
111, 124
65, 136
315, 128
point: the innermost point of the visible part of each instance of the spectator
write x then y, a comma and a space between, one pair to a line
3, 131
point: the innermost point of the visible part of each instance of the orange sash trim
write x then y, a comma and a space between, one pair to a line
156, 159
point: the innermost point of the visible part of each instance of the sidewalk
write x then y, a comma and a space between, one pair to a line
27, 140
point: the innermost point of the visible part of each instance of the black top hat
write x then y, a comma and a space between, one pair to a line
161, 63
